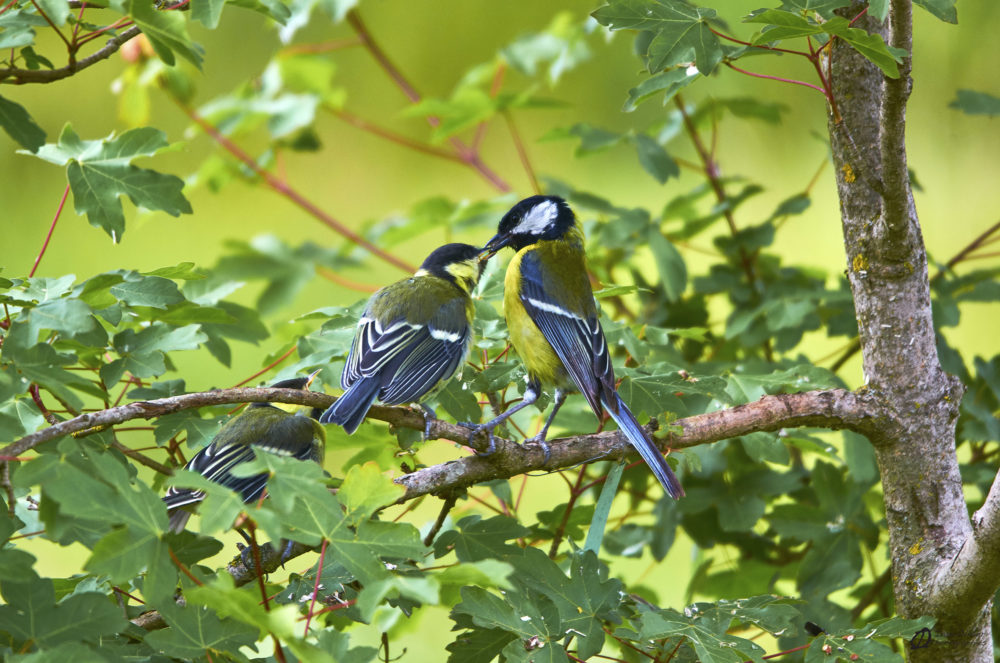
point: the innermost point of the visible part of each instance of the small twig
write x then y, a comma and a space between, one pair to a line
8, 487
777, 78
36, 396
574, 494
498, 76
872, 595
91, 36
446, 507
522, 153
331, 275
467, 154
711, 171
184, 569
288, 192
312, 602
321, 47
394, 137
41, 12
48, 236
141, 458
255, 552
764, 47
787, 651
22, 76
267, 368
980, 240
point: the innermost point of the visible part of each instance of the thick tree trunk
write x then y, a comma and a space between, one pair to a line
887, 269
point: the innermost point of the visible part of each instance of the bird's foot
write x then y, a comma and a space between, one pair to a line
475, 429
430, 416
540, 441
246, 556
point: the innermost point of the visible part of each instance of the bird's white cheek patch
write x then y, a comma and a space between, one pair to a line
538, 218
442, 335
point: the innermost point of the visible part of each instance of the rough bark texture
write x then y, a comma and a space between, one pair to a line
887, 268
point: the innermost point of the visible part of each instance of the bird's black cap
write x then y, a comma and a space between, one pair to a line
449, 254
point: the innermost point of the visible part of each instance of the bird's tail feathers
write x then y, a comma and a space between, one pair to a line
654, 458
350, 409
178, 520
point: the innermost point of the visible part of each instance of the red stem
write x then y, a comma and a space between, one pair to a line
391, 136
52, 25
465, 153
268, 367
522, 153
766, 48
331, 275
322, 47
183, 568
255, 550
777, 78
90, 36
79, 18
860, 14
787, 651
319, 572
291, 193
52, 228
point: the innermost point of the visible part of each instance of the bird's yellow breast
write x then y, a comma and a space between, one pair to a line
540, 360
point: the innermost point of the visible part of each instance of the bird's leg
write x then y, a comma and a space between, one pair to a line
286, 551
530, 396
560, 398
430, 416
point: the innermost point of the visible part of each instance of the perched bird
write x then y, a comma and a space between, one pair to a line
412, 337
261, 426
553, 324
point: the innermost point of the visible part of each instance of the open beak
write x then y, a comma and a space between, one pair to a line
494, 246
312, 376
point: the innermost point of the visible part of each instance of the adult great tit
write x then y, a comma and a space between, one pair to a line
412, 337
261, 426
552, 320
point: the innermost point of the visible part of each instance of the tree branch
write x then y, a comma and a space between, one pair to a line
22, 76
895, 176
973, 577
835, 408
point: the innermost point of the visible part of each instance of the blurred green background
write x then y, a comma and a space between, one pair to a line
357, 177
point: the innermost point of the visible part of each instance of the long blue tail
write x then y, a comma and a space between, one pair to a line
350, 409
654, 458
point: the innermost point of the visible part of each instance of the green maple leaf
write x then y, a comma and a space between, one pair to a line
100, 171
680, 32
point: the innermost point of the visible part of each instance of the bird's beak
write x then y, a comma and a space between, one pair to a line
493, 246
312, 376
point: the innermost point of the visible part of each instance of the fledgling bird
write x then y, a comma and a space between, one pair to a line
553, 323
261, 426
412, 337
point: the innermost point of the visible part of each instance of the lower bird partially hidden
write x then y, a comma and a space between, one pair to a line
553, 323
261, 426
413, 336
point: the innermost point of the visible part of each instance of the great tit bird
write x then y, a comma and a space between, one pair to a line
552, 320
261, 426
412, 337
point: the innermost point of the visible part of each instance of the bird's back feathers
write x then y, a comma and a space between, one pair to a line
413, 335
262, 427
